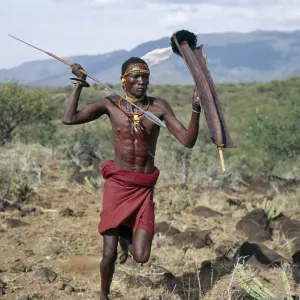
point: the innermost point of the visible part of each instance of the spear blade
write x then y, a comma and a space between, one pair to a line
150, 116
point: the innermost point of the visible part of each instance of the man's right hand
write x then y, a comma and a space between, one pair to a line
76, 71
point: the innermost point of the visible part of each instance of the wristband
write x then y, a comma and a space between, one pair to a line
80, 82
197, 112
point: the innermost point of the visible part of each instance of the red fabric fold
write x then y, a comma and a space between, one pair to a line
127, 198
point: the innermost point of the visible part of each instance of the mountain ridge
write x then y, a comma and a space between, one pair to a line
232, 57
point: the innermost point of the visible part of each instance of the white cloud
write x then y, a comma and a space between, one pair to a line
173, 19
70, 27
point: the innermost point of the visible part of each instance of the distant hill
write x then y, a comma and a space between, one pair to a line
232, 57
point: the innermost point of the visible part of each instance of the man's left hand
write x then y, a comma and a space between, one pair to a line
196, 100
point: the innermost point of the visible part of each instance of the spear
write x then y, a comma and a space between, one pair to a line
150, 116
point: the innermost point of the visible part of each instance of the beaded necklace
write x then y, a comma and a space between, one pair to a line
135, 116
134, 113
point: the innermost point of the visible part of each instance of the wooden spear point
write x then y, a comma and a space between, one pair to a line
220, 149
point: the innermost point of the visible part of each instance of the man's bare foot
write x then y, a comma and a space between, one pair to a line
123, 254
103, 297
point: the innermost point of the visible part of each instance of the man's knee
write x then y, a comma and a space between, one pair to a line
141, 257
109, 257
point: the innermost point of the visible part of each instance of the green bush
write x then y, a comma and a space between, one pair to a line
85, 145
21, 106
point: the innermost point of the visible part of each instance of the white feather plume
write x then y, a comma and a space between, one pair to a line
158, 55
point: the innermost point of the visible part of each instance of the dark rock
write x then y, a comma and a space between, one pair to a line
233, 202
260, 184
28, 211
227, 248
255, 226
14, 223
258, 255
289, 229
60, 285
79, 176
296, 266
28, 252
34, 296
69, 290
9, 206
198, 239
205, 212
166, 229
79, 214
67, 212
212, 271
138, 281
3, 287
45, 275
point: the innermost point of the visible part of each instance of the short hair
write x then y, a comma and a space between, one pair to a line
132, 60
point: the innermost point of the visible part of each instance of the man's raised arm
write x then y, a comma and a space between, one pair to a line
72, 115
187, 136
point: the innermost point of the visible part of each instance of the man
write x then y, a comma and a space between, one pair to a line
127, 214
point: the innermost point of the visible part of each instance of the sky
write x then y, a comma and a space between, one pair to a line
74, 27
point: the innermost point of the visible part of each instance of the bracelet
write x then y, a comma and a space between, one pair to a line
197, 112
81, 82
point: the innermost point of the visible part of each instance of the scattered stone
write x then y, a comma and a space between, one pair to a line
69, 290
9, 206
255, 226
34, 296
19, 267
166, 229
157, 270
296, 267
198, 239
290, 230
63, 190
234, 202
3, 287
205, 212
212, 271
138, 281
227, 248
45, 275
79, 214
67, 212
28, 252
258, 255
14, 223
60, 285
29, 212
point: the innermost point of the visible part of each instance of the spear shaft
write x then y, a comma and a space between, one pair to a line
147, 114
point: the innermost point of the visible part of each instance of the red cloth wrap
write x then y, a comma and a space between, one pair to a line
127, 198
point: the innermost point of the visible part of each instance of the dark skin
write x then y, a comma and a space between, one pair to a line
129, 154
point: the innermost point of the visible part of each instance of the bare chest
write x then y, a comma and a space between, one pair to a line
131, 125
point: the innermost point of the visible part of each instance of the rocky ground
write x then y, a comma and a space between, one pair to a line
212, 249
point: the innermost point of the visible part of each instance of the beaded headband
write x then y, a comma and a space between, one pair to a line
129, 71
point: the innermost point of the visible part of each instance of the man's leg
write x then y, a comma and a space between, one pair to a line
125, 240
107, 266
140, 248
